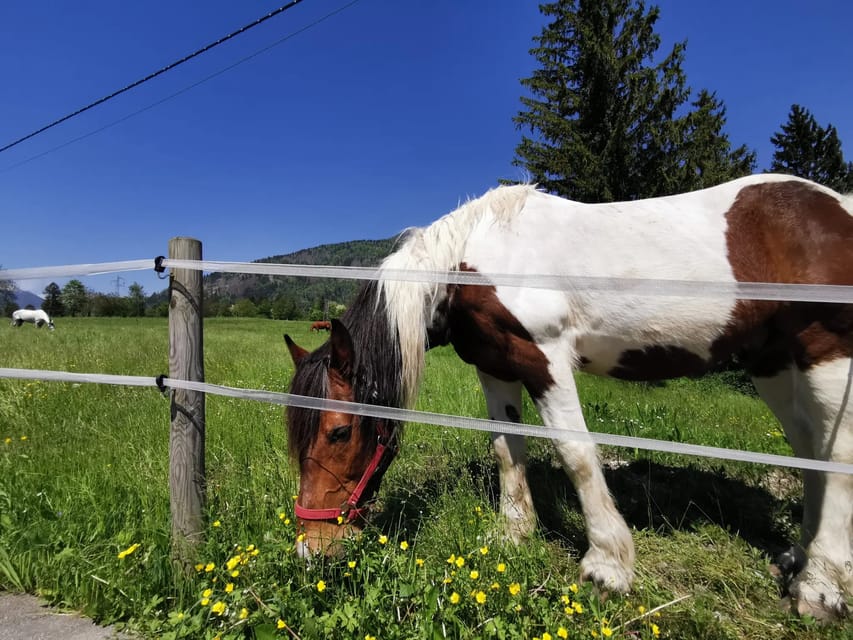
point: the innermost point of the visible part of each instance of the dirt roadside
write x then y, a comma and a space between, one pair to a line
25, 617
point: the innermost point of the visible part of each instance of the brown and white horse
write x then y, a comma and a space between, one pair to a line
763, 228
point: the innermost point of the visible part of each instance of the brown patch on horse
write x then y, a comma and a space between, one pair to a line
788, 232
486, 334
657, 362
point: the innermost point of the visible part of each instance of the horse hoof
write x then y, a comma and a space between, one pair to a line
817, 597
607, 576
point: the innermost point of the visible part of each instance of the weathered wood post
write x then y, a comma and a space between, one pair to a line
186, 441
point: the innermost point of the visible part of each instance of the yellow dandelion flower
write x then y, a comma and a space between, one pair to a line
460, 562
478, 511
209, 567
419, 562
573, 588
474, 574
132, 548
255, 552
404, 545
447, 580
578, 607
217, 523
454, 598
300, 537
218, 608
569, 611
23, 438
451, 559
565, 600
562, 632
229, 587
205, 602
244, 613
8, 441
383, 539
251, 547
340, 519
351, 564
232, 562
546, 636
606, 632
235, 573
207, 593
279, 624
484, 551
641, 609
514, 589
495, 586
501, 567
655, 629
321, 586
369, 637
480, 597
199, 567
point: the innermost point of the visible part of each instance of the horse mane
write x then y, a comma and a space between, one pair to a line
409, 306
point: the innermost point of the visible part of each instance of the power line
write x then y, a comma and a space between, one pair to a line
151, 76
181, 91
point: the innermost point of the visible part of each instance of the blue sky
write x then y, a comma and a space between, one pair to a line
383, 116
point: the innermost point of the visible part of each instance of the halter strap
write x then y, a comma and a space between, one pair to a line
350, 510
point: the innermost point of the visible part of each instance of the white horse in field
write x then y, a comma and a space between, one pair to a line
38, 317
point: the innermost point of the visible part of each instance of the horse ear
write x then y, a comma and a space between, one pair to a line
296, 352
343, 352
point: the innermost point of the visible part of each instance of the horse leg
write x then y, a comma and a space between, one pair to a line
503, 401
816, 411
609, 561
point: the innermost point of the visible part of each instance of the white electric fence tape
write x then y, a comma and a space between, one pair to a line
625, 286
439, 419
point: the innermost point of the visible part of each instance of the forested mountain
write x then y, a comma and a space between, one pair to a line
287, 297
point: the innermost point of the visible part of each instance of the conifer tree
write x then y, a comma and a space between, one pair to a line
605, 121
807, 150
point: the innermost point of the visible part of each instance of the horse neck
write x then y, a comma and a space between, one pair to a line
440, 247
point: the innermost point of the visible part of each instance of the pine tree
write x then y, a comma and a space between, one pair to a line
807, 150
604, 119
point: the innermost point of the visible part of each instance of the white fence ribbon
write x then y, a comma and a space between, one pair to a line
626, 286
439, 419
75, 270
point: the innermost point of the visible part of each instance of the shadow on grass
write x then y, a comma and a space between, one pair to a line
649, 495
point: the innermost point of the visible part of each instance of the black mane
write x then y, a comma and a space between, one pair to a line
376, 373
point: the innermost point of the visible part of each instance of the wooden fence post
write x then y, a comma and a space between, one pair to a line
186, 442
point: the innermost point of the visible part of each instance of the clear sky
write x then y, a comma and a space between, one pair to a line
384, 116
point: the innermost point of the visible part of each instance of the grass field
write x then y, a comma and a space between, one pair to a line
84, 507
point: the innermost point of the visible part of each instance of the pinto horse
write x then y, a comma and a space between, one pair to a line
763, 228
321, 325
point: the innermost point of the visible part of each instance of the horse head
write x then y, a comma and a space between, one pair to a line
342, 457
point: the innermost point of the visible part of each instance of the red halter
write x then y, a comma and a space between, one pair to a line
386, 450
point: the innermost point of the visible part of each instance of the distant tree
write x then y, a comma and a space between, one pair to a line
108, 305
606, 122
244, 308
807, 150
8, 292
135, 300
284, 308
53, 300
74, 298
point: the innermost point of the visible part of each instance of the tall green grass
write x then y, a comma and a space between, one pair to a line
84, 479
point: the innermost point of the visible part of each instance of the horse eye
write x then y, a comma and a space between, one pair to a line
339, 434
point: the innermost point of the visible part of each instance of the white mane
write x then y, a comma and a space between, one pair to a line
439, 247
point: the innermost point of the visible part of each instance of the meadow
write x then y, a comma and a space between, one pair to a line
84, 507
